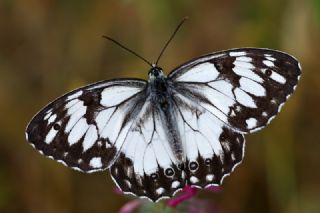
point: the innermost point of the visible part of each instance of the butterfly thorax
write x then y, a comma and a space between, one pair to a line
158, 86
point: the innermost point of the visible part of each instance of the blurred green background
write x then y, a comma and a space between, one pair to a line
48, 47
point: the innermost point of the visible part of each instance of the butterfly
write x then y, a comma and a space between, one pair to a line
159, 135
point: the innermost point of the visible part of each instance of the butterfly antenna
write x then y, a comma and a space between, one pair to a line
171, 37
126, 48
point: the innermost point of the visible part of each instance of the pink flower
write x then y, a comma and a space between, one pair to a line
130, 206
185, 199
188, 192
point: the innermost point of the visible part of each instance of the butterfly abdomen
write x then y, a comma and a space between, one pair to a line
168, 118
161, 96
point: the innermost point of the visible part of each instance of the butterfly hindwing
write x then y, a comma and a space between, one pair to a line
84, 129
146, 166
212, 149
244, 88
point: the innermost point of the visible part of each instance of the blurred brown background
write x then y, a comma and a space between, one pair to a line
48, 47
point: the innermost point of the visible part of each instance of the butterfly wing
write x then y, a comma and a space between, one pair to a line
244, 88
212, 148
222, 96
146, 166
85, 129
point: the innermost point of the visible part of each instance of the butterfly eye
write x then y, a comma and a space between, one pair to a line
156, 73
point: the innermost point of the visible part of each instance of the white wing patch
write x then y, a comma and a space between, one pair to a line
268, 63
78, 131
251, 123
277, 77
237, 53
112, 96
222, 86
103, 118
95, 162
75, 95
218, 99
252, 87
243, 64
200, 73
162, 149
77, 111
90, 138
52, 118
50, 136
244, 99
247, 73
150, 164
112, 126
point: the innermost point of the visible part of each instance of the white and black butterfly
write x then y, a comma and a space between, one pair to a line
159, 135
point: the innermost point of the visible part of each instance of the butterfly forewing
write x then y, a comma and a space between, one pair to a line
244, 88
85, 129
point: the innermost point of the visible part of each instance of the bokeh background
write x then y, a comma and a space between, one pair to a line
48, 47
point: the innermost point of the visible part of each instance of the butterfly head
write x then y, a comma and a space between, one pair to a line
155, 72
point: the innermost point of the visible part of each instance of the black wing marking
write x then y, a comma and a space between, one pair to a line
84, 129
244, 88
